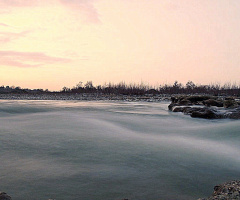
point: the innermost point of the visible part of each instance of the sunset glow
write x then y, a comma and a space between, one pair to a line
56, 43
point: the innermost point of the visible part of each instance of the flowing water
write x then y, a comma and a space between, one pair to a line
112, 150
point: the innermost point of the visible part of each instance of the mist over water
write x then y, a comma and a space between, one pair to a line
112, 150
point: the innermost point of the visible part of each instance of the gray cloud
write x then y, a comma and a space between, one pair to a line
28, 59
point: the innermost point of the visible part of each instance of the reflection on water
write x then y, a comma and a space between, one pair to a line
112, 150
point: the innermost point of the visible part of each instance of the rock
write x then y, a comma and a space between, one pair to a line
200, 107
170, 106
173, 99
4, 196
205, 113
180, 108
184, 102
233, 114
189, 110
195, 99
227, 191
199, 112
189, 100
213, 102
229, 98
230, 104
179, 101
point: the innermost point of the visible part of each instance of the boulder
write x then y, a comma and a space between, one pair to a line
229, 98
213, 102
205, 113
195, 99
184, 102
233, 114
230, 104
4, 196
190, 100
180, 108
198, 112
190, 110
171, 106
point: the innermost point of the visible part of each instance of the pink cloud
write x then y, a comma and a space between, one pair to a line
18, 3
9, 36
28, 59
5, 25
84, 7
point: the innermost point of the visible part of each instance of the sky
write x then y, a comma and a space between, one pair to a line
50, 44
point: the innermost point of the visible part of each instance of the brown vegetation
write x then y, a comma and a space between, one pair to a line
136, 89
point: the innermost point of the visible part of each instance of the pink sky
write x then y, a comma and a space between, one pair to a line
56, 43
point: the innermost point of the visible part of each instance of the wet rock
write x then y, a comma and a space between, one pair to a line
227, 191
201, 107
230, 104
233, 114
188, 101
184, 102
199, 112
176, 102
205, 113
195, 99
213, 102
229, 98
190, 110
180, 109
170, 106
4, 196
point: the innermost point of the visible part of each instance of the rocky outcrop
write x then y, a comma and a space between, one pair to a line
4, 196
205, 113
227, 191
230, 104
188, 100
206, 107
213, 102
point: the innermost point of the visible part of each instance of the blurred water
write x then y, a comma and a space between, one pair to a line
112, 150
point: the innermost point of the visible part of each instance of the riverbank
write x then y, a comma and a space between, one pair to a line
85, 97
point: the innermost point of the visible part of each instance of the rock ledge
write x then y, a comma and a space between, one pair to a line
227, 191
207, 107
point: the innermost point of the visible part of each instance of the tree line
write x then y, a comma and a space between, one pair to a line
134, 89
142, 89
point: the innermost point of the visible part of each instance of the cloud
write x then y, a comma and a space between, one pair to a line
28, 59
9, 36
84, 7
18, 3
5, 25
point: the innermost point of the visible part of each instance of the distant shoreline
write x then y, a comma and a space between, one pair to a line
87, 97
